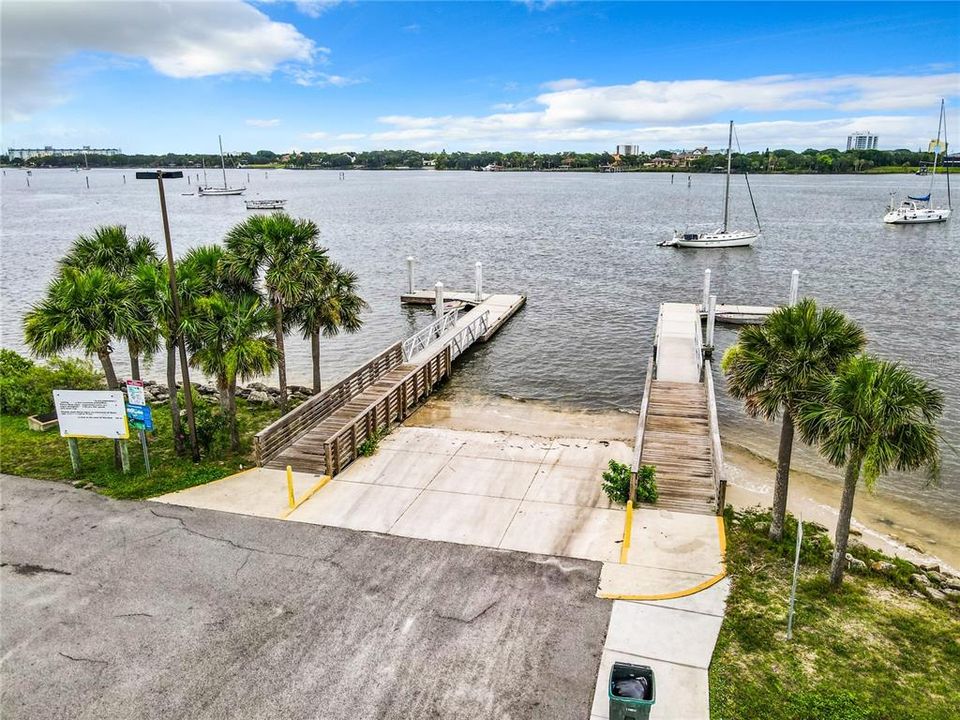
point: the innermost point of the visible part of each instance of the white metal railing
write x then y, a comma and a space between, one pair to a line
469, 335
423, 338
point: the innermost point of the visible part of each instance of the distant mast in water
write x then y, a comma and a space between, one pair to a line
226, 189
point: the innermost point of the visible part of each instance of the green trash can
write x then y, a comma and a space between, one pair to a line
632, 691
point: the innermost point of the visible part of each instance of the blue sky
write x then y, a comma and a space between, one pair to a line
155, 77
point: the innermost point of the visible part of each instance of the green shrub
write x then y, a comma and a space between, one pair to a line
26, 388
210, 422
369, 446
616, 483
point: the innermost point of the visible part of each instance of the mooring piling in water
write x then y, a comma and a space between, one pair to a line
410, 273
479, 281
711, 321
88, 182
706, 288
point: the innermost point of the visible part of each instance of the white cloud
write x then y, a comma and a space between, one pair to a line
309, 77
563, 84
316, 8
411, 28
318, 135
180, 40
254, 122
804, 112
350, 136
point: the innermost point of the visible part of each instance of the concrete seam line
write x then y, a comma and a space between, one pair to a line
722, 538
306, 496
627, 533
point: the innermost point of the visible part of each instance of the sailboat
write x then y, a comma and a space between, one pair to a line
226, 189
916, 209
722, 237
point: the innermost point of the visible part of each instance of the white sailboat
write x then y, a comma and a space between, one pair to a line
226, 189
722, 237
918, 210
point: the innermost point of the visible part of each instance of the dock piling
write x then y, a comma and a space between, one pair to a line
711, 321
479, 279
706, 289
794, 286
410, 288
439, 302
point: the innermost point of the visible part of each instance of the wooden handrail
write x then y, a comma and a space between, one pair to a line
638, 438
290, 426
716, 448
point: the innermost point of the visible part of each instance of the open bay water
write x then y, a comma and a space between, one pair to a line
582, 247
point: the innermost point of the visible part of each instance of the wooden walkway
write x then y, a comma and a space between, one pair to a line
677, 430
325, 433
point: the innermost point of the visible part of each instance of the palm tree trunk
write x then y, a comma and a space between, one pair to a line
232, 415
783, 477
112, 384
175, 426
134, 351
107, 364
843, 521
281, 355
315, 353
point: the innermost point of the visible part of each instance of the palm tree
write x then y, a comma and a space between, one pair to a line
773, 365
229, 337
284, 252
111, 249
329, 306
872, 416
83, 309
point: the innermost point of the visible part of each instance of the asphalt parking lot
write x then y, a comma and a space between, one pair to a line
141, 610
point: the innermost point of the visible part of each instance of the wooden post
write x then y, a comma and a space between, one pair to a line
74, 455
794, 286
706, 290
328, 458
711, 319
410, 274
479, 280
125, 457
438, 289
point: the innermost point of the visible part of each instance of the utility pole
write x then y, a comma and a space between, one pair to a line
160, 175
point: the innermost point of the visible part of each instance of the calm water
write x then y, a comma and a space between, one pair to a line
581, 246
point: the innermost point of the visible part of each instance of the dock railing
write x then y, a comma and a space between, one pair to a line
422, 339
469, 335
716, 448
641, 421
396, 403
698, 344
285, 430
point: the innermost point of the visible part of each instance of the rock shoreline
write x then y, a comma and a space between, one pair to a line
256, 392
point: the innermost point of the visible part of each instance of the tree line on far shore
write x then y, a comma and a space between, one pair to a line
237, 302
828, 161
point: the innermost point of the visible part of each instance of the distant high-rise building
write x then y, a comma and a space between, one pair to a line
628, 149
862, 141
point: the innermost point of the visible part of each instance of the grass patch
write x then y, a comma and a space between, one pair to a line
872, 650
369, 446
44, 455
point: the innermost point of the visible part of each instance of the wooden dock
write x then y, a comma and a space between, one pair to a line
323, 434
677, 431
737, 314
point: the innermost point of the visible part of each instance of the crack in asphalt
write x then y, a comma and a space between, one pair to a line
83, 659
467, 621
30, 570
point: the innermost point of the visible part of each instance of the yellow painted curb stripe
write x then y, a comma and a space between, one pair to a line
307, 495
627, 531
722, 537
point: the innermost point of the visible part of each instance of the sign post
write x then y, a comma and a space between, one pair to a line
92, 414
139, 416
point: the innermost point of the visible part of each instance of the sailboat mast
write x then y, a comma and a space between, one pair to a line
946, 151
203, 164
222, 165
726, 193
936, 149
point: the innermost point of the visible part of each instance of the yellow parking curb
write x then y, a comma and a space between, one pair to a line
689, 591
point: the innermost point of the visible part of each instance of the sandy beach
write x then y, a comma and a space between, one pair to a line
885, 523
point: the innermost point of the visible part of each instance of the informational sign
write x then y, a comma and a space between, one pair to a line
140, 417
91, 414
135, 392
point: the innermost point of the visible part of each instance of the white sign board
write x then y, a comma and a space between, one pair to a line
91, 413
135, 394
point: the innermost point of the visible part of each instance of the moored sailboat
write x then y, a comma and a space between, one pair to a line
916, 209
722, 237
226, 189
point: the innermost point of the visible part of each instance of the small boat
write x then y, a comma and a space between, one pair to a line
916, 209
226, 189
722, 237
186, 193
265, 204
